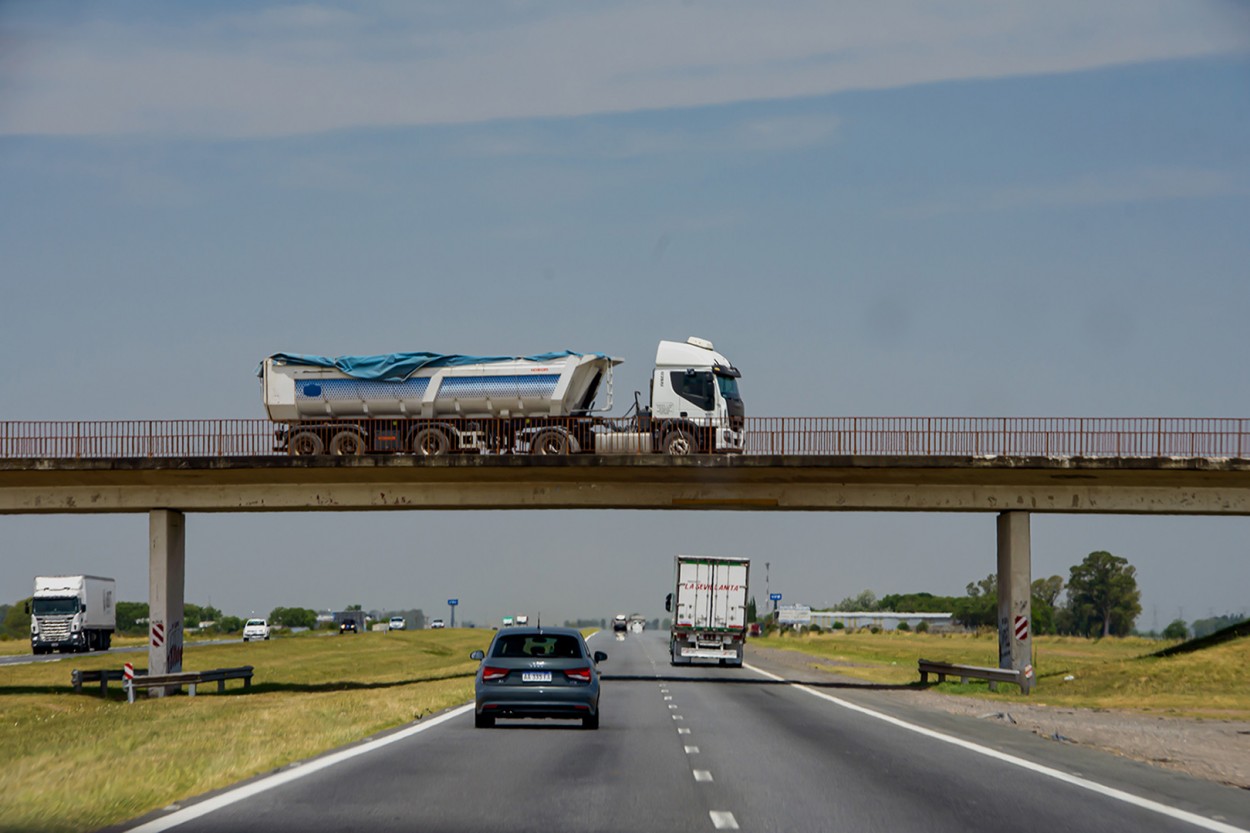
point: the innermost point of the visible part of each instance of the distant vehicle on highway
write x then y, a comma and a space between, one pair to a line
347, 626
619, 623
255, 629
507, 621
397, 623
72, 613
637, 623
437, 623
537, 673
709, 607
522, 620
350, 621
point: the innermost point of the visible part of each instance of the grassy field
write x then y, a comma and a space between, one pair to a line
1108, 673
78, 762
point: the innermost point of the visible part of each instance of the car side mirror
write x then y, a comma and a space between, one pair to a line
600, 656
668, 603
477, 655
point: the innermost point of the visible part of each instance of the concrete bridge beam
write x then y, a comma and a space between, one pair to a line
1015, 596
166, 587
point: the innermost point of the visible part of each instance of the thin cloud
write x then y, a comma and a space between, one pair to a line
315, 67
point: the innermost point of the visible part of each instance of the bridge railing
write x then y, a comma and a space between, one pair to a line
1126, 437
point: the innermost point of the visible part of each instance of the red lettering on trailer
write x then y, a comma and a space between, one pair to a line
698, 585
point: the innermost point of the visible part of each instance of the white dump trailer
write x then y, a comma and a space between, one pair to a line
709, 609
72, 613
435, 403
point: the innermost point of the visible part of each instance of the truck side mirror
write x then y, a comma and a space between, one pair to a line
82, 607
668, 603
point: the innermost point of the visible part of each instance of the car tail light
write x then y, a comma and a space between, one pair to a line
582, 675
490, 672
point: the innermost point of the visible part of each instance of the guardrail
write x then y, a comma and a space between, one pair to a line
101, 676
965, 672
190, 679
830, 436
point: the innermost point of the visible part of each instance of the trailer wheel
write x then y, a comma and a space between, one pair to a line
347, 444
430, 442
305, 443
680, 443
550, 442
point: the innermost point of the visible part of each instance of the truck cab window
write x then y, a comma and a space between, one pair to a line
696, 388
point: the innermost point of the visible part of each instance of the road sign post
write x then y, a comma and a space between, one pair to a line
774, 598
452, 604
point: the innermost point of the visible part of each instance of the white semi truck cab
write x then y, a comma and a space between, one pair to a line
72, 613
694, 396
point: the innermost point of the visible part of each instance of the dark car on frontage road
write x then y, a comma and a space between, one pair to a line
540, 673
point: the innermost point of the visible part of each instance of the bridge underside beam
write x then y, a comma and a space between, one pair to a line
530, 494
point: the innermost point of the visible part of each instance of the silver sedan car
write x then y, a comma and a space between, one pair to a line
538, 672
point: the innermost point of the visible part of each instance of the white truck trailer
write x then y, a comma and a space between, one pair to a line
709, 609
433, 404
72, 613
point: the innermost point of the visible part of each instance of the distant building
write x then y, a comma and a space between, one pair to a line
887, 620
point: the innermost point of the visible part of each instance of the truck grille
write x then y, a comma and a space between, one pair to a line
54, 630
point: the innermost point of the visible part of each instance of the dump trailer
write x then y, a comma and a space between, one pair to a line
72, 613
436, 403
709, 609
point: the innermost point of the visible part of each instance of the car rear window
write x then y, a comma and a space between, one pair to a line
552, 646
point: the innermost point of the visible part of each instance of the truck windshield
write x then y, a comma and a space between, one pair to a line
728, 387
55, 607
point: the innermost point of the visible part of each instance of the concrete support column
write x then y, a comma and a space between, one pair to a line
1015, 595
166, 585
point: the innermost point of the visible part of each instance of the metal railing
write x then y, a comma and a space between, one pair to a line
1105, 437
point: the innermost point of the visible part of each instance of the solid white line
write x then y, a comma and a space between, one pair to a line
1041, 769
702, 775
217, 802
722, 820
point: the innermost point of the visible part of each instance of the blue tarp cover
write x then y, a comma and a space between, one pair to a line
396, 367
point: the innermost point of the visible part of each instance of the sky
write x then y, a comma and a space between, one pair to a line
900, 208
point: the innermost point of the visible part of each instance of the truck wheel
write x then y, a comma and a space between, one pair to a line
347, 444
550, 442
430, 442
680, 443
305, 443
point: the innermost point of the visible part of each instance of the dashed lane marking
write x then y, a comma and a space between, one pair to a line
678, 717
1076, 781
683, 731
723, 820
692, 750
702, 775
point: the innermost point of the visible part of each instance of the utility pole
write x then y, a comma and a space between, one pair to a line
767, 589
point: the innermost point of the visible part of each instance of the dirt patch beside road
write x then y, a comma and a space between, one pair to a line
1216, 750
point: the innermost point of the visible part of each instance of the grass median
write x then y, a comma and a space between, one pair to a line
80, 762
1113, 673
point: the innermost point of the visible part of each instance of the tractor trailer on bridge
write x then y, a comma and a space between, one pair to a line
434, 404
72, 613
709, 607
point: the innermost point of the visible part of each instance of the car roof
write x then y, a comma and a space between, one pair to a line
525, 629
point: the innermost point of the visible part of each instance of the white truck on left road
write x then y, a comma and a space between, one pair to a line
72, 613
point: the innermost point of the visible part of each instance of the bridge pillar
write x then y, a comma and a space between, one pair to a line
1015, 595
166, 585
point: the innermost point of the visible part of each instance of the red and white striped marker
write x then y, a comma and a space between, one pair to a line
158, 634
1022, 628
128, 673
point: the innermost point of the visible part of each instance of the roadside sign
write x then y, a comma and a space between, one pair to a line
794, 615
774, 597
453, 602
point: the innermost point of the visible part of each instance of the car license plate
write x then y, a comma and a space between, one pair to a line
535, 676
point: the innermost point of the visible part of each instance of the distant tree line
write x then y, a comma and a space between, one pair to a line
1099, 598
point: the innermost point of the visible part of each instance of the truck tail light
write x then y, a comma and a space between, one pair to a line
490, 672
581, 675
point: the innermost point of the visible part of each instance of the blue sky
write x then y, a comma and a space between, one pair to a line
887, 209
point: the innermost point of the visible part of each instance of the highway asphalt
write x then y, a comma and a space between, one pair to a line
706, 748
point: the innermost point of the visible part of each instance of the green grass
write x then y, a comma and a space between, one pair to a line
1108, 673
78, 762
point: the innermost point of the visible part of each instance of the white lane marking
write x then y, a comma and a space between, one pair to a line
678, 717
234, 796
683, 731
692, 750
702, 775
722, 820
1041, 769
672, 705
668, 697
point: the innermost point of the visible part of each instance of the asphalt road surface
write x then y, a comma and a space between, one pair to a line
706, 748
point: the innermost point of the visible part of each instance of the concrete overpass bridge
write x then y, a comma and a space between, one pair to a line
1012, 467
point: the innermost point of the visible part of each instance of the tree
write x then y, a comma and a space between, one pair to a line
865, 601
1102, 595
16, 622
751, 610
132, 617
293, 617
1048, 589
1176, 629
230, 624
